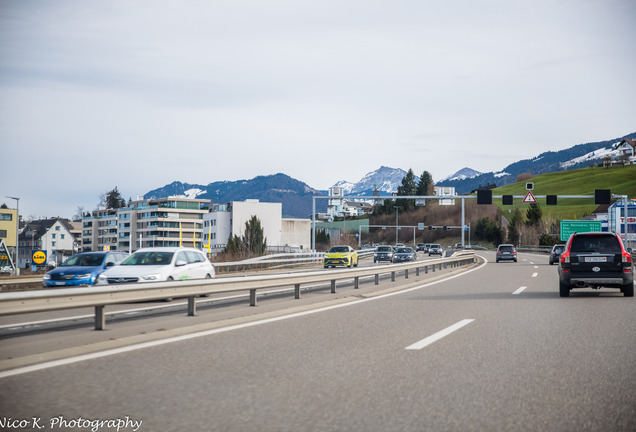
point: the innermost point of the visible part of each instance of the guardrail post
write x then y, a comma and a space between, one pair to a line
377, 278
192, 306
392, 276
406, 273
333, 286
100, 318
297, 291
253, 297
356, 282
417, 271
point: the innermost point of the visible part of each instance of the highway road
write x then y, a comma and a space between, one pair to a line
492, 349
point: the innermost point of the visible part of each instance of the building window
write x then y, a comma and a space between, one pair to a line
6, 216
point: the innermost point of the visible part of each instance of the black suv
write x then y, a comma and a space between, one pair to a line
594, 260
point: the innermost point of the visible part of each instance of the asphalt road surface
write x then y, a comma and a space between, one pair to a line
493, 349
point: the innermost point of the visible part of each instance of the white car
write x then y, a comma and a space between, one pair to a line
159, 264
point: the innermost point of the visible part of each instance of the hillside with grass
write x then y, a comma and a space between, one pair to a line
620, 180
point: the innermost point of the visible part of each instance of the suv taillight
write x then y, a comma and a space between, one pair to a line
627, 257
565, 258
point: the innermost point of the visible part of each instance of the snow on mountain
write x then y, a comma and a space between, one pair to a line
193, 193
595, 155
463, 174
385, 179
501, 174
345, 185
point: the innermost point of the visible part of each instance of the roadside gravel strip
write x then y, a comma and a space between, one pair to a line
85, 349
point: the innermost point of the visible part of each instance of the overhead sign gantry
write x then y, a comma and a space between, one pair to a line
484, 197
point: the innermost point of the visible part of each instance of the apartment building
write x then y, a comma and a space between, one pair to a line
8, 226
170, 221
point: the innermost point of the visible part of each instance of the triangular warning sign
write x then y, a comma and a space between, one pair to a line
530, 199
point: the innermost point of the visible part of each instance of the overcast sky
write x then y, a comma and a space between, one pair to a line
136, 94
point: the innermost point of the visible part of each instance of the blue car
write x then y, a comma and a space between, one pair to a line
82, 269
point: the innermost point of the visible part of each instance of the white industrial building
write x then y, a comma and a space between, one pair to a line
225, 220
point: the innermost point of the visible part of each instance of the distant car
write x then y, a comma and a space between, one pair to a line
506, 252
435, 249
458, 246
160, 264
594, 260
383, 253
340, 256
403, 254
82, 269
421, 247
555, 253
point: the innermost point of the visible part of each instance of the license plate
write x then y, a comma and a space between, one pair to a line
595, 259
60, 283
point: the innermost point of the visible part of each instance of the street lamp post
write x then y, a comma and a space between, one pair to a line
397, 225
17, 235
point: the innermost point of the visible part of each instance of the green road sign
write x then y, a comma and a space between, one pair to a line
569, 227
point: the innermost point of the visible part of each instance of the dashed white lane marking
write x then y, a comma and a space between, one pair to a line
440, 334
535, 274
520, 290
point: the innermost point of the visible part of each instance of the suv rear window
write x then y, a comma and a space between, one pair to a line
506, 248
595, 244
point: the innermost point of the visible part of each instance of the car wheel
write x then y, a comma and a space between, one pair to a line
496, 260
628, 290
564, 289
326, 266
515, 260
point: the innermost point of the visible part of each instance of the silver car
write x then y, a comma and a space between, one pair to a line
435, 249
383, 253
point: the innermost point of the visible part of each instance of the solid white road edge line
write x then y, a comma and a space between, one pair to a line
440, 334
106, 353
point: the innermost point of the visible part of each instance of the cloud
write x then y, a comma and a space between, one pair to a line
137, 94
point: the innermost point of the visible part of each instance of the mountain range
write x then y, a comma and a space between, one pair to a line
296, 196
579, 156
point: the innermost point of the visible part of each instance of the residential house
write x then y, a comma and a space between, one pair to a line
627, 149
53, 236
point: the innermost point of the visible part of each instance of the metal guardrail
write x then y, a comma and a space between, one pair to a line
14, 303
278, 260
258, 263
